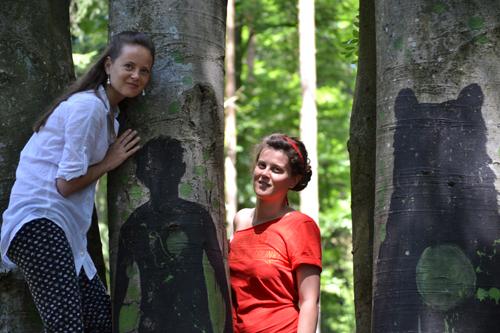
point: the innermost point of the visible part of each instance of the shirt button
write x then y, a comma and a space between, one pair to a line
82, 253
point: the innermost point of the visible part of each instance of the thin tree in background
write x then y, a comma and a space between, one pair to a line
34, 69
362, 145
437, 221
309, 199
230, 119
166, 204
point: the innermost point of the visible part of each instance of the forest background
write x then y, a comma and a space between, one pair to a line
269, 100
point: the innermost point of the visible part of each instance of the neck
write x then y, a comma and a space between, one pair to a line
113, 97
160, 195
269, 210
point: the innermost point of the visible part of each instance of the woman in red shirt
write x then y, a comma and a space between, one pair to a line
275, 253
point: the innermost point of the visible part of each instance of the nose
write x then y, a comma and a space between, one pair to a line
259, 173
265, 172
135, 74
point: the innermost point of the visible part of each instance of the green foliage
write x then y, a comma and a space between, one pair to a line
492, 294
89, 31
269, 101
351, 45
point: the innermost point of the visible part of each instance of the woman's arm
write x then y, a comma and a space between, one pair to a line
124, 146
308, 286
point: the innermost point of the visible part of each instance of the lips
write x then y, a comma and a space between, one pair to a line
263, 185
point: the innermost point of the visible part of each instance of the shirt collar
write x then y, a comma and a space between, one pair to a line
101, 93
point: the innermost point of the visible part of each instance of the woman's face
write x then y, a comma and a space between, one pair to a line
129, 73
272, 175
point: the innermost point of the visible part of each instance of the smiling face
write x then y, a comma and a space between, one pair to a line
129, 72
272, 175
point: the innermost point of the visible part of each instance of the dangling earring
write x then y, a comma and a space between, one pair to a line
143, 92
108, 81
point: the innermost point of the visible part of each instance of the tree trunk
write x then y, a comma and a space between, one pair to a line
230, 120
362, 156
309, 199
94, 246
166, 208
437, 239
35, 65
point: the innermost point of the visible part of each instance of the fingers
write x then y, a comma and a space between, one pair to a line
126, 136
124, 146
128, 139
133, 150
131, 144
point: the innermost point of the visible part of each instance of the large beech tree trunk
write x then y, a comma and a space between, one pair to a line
362, 145
166, 204
35, 65
437, 222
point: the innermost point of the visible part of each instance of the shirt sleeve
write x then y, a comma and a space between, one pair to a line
82, 123
304, 245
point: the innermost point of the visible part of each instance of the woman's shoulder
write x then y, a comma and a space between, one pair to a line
298, 221
83, 104
243, 219
297, 216
87, 97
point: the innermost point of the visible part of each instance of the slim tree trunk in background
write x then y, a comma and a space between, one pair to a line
437, 222
362, 143
309, 197
166, 204
309, 201
35, 65
94, 246
230, 119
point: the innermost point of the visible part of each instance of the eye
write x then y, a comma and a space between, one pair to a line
261, 165
128, 66
277, 170
144, 72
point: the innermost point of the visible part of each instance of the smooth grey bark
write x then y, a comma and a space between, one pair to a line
35, 65
362, 145
168, 244
437, 222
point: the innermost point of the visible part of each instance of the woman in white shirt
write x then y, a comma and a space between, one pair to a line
44, 228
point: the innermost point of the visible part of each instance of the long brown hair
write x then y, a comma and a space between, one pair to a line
96, 75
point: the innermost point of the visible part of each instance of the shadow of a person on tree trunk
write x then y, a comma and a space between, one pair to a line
442, 234
169, 261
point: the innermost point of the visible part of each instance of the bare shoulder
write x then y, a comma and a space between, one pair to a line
243, 219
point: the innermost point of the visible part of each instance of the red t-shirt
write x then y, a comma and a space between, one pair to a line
262, 261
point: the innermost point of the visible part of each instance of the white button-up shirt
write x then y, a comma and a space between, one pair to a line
75, 136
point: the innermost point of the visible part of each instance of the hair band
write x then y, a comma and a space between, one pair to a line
295, 147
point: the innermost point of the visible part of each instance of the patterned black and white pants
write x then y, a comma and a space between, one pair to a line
67, 303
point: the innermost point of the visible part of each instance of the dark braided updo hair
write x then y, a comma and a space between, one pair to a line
299, 164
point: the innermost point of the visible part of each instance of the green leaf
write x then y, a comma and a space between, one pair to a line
481, 294
494, 294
